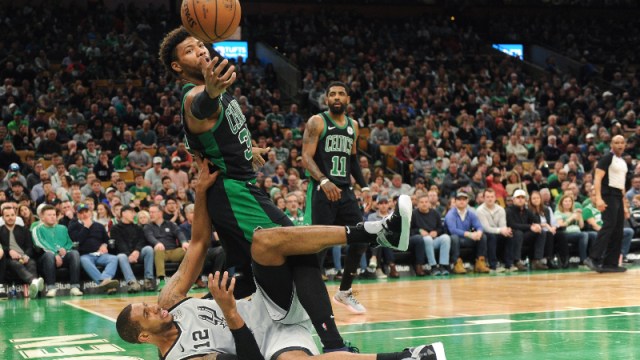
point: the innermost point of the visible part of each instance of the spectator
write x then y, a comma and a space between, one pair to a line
398, 188
154, 174
185, 157
8, 156
547, 221
49, 146
494, 223
121, 161
91, 154
178, 177
104, 168
406, 153
97, 194
293, 119
378, 136
172, 212
147, 135
125, 196
466, 230
168, 188
426, 227
132, 248
384, 209
164, 236
292, 210
78, 170
16, 243
269, 167
140, 190
526, 227
93, 244
139, 160
102, 215
54, 240
282, 153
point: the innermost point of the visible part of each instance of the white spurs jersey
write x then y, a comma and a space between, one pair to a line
204, 330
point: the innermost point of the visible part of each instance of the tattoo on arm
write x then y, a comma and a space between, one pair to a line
309, 147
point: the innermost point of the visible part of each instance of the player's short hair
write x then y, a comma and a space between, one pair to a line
168, 53
338, 83
127, 328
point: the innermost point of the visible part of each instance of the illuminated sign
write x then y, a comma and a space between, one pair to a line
233, 49
516, 50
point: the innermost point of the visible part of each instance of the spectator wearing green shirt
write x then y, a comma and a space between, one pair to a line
438, 173
293, 211
78, 170
121, 161
54, 239
571, 223
140, 190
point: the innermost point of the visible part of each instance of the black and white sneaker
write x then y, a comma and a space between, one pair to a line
393, 231
433, 351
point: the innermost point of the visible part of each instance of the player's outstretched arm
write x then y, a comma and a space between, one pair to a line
191, 265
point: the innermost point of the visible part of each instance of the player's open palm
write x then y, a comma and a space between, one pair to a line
222, 294
215, 80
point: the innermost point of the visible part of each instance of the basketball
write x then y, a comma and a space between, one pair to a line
211, 20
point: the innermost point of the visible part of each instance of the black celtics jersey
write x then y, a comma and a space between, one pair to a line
334, 149
228, 143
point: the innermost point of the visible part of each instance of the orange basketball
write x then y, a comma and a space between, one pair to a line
211, 20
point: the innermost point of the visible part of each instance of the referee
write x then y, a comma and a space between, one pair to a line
609, 186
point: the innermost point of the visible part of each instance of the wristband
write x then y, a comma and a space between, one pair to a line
204, 107
324, 181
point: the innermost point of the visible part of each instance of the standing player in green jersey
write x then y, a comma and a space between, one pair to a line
329, 153
216, 129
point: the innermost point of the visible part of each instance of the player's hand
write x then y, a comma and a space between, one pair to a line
215, 81
332, 191
600, 205
205, 178
258, 160
221, 294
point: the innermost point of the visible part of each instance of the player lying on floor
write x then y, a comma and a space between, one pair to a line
271, 324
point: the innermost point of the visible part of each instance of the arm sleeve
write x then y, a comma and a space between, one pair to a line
450, 220
357, 172
148, 235
246, 345
39, 240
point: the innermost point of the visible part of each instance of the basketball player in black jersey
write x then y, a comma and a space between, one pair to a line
216, 129
329, 153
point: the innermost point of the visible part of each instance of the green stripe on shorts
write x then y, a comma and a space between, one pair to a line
246, 209
308, 208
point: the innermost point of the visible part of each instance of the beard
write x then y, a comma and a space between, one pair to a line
192, 72
337, 108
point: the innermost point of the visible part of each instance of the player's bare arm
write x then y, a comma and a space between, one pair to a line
310, 139
193, 261
203, 98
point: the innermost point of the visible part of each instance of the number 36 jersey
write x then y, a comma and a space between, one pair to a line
203, 329
228, 143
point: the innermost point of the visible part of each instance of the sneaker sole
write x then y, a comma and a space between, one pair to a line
406, 210
33, 290
438, 347
347, 306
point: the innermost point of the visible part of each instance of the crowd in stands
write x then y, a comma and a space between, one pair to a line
496, 160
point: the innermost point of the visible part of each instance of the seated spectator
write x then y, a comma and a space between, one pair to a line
139, 160
49, 146
54, 240
383, 210
406, 153
426, 226
16, 243
121, 161
154, 174
93, 243
8, 155
102, 215
91, 153
526, 227
570, 224
164, 236
140, 189
398, 188
493, 218
78, 170
547, 221
269, 167
121, 192
185, 157
96, 192
292, 210
168, 188
466, 230
147, 135
172, 211
379, 136
178, 177
132, 248
104, 168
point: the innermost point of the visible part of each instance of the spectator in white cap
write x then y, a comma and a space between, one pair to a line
154, 175
178, 177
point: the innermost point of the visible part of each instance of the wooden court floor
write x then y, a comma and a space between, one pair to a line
571, 314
